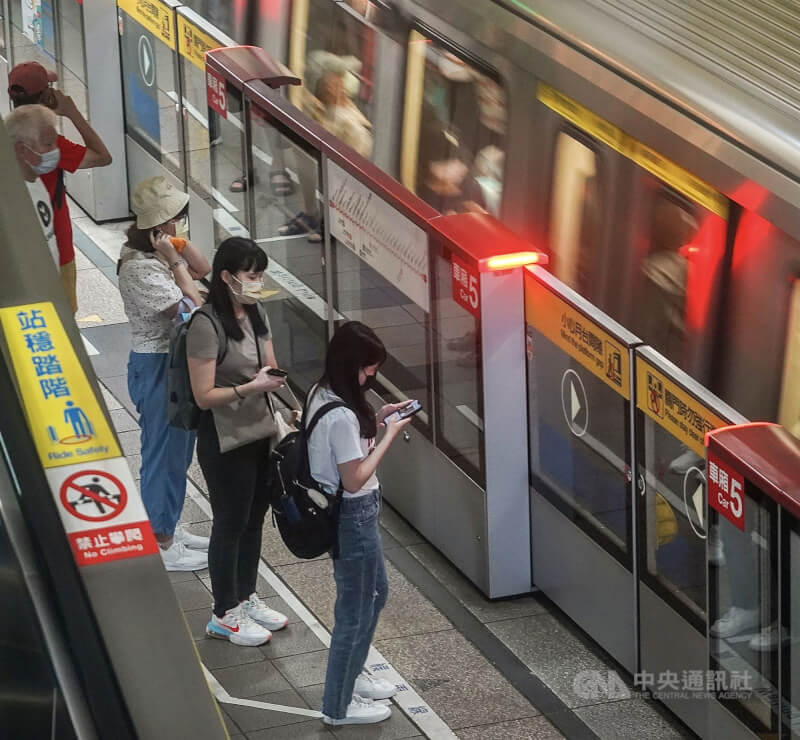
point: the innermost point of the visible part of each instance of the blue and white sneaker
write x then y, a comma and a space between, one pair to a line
238, 628
259, 612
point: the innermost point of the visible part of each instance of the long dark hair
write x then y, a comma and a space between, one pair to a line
236, 254
354, 346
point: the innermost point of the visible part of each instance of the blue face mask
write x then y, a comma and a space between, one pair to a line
48, 162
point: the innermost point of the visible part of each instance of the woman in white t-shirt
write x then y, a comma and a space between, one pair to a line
342, 449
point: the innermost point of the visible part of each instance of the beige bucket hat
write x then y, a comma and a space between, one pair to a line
155, 201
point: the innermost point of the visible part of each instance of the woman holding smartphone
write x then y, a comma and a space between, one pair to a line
342, 449
155, 277
235, 435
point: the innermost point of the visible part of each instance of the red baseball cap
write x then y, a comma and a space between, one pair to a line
29, 78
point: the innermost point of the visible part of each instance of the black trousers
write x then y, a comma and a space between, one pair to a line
237, 488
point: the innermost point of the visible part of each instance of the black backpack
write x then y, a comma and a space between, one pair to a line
182, 411
305, 515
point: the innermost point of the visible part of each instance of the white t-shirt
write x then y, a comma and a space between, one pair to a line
336, 439
148, 290
44, 210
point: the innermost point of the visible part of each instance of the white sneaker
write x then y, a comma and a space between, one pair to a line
237, 628
259, 612
178, 557
369, 687
769, 638
734, 621
192, 541
361, 711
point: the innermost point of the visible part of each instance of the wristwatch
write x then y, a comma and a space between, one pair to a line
177, 263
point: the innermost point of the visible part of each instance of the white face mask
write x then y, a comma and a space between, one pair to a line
181, 226
48, 162
249, 292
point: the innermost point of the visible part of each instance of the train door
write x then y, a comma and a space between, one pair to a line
588, 198
677, 244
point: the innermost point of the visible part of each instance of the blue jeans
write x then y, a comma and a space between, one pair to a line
361, 591
166, 450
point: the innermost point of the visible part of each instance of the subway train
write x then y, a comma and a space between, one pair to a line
648, 146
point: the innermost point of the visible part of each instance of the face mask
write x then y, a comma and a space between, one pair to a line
181, 226
48, 162
249, 292
369, 383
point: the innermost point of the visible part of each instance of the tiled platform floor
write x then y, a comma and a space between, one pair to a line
456, 680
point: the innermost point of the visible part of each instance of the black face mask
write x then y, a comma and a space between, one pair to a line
370, 382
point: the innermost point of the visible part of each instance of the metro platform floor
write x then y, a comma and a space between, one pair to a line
474, 669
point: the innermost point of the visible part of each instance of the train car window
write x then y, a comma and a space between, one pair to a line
334, 52
575, 212
789, 407
664, 275
150, 83
459, 400
454, 130
677, 284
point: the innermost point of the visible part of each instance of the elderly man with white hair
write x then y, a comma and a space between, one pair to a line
32, 130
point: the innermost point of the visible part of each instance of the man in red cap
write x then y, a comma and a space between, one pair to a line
29, 84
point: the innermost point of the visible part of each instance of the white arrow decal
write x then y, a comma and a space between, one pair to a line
575, 403
146, 61
697, 500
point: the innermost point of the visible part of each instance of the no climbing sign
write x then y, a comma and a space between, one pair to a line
102, 513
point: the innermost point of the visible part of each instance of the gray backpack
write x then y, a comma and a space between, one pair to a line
182, 411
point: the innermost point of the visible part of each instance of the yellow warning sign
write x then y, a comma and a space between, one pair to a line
580, 337
666, 403
63, 415
672, 174
194, 43
155, 16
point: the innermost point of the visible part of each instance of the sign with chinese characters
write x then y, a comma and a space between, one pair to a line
63, 415
93, 488
580, 337
101, 511
672, 408
155, 16
466, 286
194, 43
726, 491
375, 232
215, 91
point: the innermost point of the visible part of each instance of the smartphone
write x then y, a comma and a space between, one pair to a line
413, 408
277, 372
